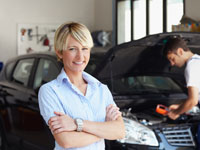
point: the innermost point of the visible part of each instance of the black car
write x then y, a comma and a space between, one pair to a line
21, 126
139, 78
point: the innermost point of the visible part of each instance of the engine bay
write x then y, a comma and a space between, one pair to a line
150, 117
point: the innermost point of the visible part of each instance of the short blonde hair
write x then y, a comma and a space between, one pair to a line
77, 30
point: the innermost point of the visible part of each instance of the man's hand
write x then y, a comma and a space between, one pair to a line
172, 111
173, 115
174, 106
112, 112
61, 122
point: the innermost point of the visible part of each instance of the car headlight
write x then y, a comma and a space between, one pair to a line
137, 133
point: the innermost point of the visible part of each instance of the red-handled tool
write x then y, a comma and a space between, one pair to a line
162, 109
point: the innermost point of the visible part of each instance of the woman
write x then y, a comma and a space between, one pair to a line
79, 110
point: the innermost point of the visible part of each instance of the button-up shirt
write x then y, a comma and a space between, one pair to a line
62, 96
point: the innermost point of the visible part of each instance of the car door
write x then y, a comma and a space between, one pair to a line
14, 98
39, 134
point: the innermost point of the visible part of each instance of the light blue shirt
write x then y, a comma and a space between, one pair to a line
62, 96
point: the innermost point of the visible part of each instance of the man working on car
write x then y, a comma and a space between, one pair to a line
179, 54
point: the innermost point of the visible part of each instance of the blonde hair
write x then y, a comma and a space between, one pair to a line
77, 30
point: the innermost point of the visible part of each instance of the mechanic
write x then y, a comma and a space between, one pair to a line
178, 53
79, 109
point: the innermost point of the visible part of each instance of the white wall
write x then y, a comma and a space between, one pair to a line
192, 9
103, 15
13, 12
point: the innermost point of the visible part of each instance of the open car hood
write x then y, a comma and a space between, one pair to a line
144, 57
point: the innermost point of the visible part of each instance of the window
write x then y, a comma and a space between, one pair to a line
137, 18
174, 18
9, 69
46, 71
22, 71
124, 21
144, 84
155, 16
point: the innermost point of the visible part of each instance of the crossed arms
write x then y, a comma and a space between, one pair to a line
64, 128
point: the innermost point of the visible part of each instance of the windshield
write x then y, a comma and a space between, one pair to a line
144, 84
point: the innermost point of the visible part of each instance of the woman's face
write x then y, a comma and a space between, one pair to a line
75, 57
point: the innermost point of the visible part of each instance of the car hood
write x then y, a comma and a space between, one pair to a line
144, 57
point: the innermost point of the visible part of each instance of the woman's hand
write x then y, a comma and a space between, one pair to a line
112, 112
61, 122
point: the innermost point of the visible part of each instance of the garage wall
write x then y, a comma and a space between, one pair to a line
13, 12
192, 9
103, 15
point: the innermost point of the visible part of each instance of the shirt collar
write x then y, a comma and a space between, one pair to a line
90, 79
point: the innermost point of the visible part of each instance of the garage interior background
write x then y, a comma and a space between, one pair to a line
95, 14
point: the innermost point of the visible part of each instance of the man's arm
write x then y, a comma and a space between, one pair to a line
186, 105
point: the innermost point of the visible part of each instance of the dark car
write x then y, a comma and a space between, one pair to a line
21, 126
139, 78
1, 65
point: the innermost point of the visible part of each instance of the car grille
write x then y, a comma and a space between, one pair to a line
179, 136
